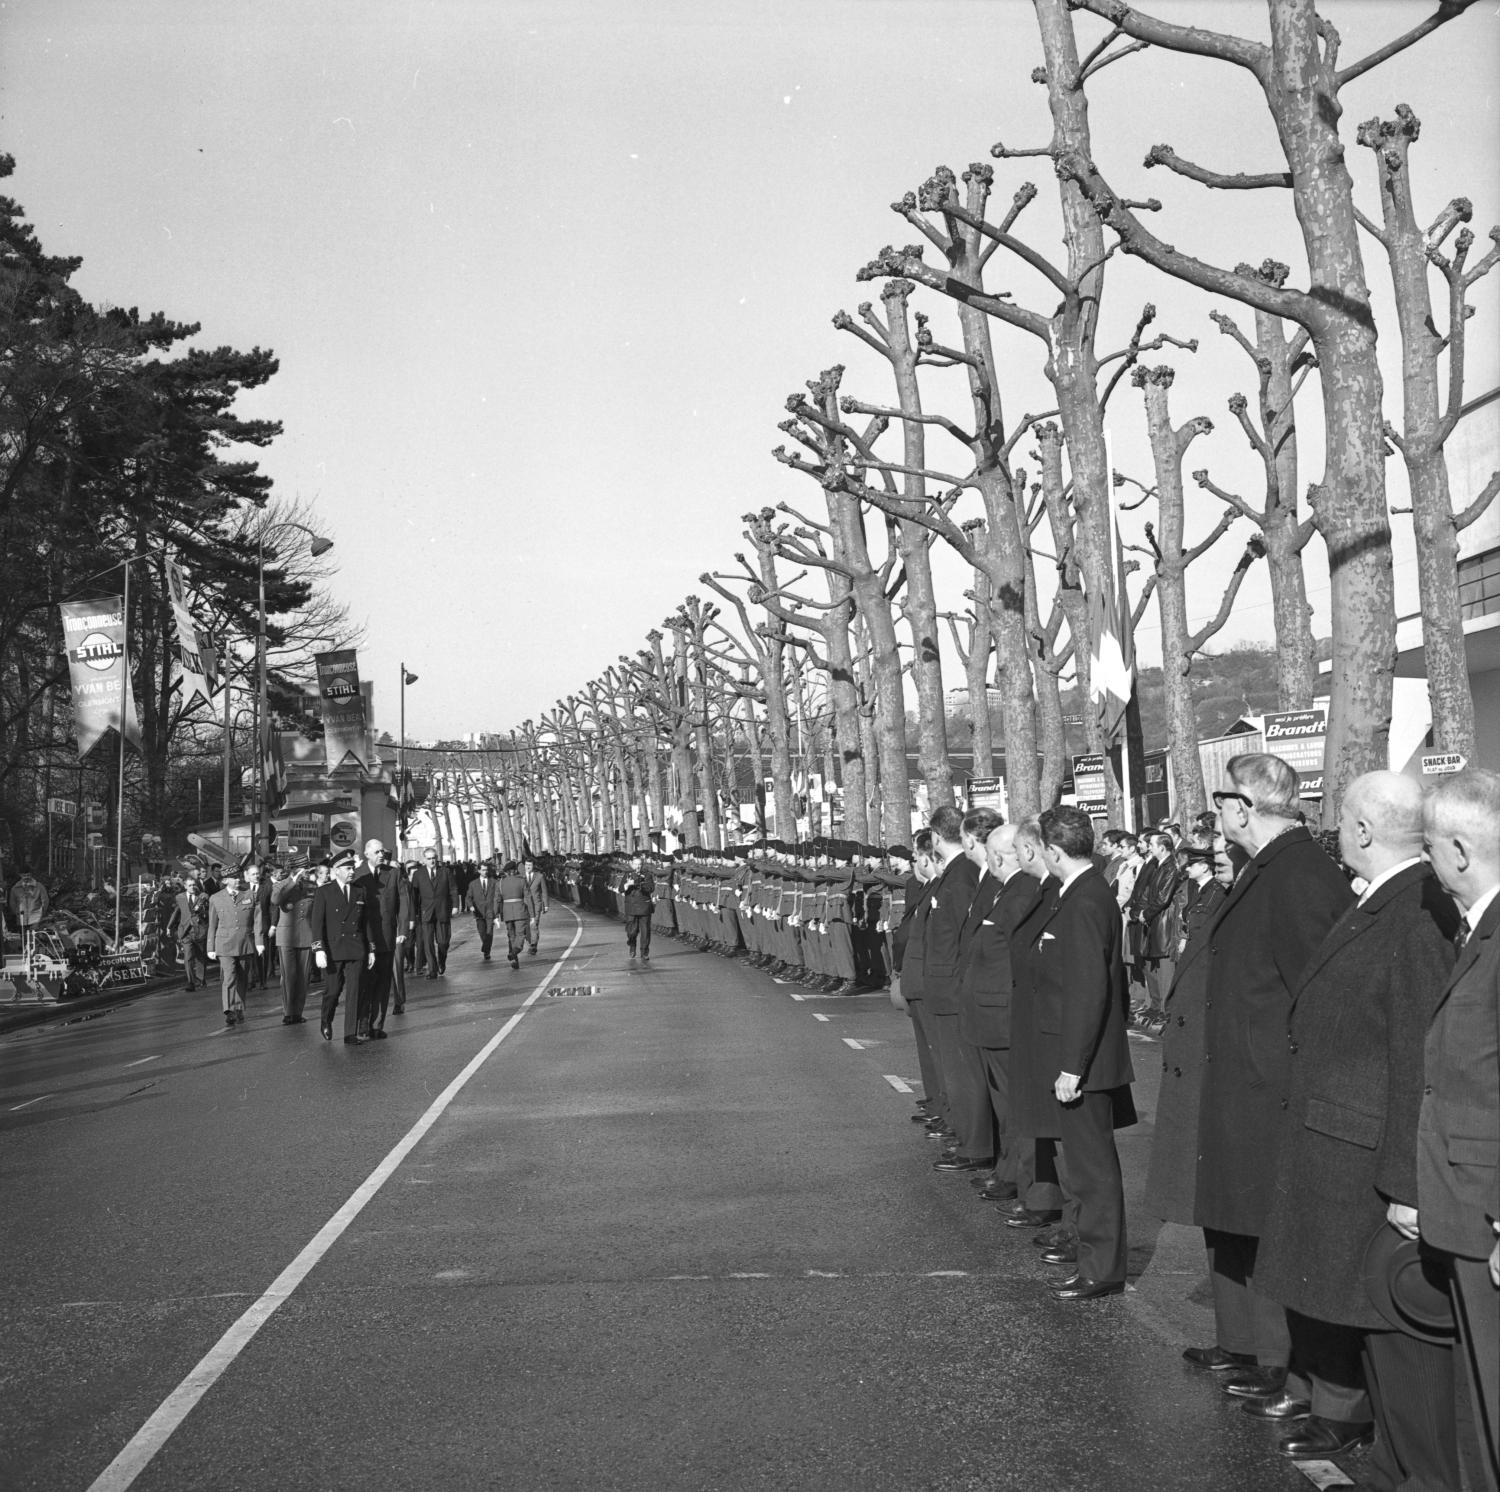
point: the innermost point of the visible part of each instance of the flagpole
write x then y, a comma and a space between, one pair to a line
120, 732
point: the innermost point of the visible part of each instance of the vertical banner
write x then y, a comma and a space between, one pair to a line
193, 656
94, 633
344, 725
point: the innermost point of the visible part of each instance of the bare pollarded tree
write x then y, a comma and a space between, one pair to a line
1300, 79
1431, 405
1282, 362
1171, 558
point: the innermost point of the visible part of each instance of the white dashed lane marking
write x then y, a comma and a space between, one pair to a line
899, 1084
142, 1061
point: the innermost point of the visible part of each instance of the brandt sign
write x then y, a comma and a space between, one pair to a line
1299, 737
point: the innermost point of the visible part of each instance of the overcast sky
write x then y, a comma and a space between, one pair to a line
541, 275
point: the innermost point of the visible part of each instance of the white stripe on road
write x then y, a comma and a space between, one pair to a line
29, 1103
144, 1060
818, 1017
154, 1434
899, 1084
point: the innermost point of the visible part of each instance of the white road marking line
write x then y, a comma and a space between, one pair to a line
746, 1275
17, 1109
899, 1084
798, 998
852, 1044
144, 1060
818, 1017
149, 1439
946, 1274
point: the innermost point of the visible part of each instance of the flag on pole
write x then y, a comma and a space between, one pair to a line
407, 803
99, 668
1111, 646
194, 657
273, 769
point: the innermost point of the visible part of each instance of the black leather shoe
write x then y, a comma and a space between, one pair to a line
229, 1017
1054, 1238
297, 1020
960, 1163
1062, 1254
936, 1121
1254, 1383
920, 1117
376, 1034
1279, 1406
326, 1031
1216, 1360
1321, 1437
1026, 1218
1079, 1288
996, 1191
286, 1020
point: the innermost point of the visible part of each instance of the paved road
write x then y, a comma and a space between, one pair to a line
675, 1234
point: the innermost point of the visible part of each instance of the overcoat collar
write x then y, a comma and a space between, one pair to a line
1263, 857
1060, 895
1476, 945
1358, 920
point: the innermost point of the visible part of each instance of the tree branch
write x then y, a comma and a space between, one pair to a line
1447, 10
1164, 155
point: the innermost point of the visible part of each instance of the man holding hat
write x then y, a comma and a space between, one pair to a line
1348, 1146
341, 948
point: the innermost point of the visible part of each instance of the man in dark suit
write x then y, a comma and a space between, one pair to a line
1349, 1144
480, 900
948, 908
1458, 1132
341, 948
432, 890
189, 925
985, 981
1082, 1009
1277, 913
388, 918
906, 971
536, 899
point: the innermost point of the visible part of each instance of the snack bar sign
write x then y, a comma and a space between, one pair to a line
1300, 738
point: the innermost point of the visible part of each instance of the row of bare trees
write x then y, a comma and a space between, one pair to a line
834, 600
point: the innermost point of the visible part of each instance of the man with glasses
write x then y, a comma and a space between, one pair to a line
1287, 897
432, 887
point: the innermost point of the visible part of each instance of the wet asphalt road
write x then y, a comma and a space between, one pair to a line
678, 1234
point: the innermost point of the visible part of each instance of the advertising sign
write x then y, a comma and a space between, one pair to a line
1088, 783
344, 726
1299, 738
63, 807
193, 654
987, 792
94, 632
1438, 764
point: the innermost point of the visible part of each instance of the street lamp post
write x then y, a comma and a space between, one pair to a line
317, 545
406, 678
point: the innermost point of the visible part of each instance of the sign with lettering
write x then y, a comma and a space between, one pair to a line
62, 807
1088, 783
1300, 739
1437, 764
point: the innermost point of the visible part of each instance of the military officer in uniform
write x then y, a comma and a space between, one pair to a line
341, 948
236, 936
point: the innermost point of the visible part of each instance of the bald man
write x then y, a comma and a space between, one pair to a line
1348, 1149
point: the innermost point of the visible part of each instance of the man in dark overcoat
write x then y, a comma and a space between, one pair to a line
1082, 1010
1030, 1075
479, 898
1277, 913
1458, 1133
433, 894
388, 921
189, 925
985, 982
1172, 1175
907, 937
341, 948
1348, 1143
948, 905
969, 1095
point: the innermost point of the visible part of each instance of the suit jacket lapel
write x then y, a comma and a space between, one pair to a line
1472, 949
1358, 920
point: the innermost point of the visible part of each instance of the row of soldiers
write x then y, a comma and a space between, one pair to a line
820, 913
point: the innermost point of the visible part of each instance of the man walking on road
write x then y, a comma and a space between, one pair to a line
480, 900
536, 899
432, 888
236, 936
293, 900
637, 898
387, 925
341, 948
189, 925
510, 895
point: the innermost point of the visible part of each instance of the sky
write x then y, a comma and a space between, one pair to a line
540, 276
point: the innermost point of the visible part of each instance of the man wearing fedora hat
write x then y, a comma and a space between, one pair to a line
1348, 1146
1458, 1137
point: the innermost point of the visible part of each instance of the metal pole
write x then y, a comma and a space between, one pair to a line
263, 707
224, 663
120, 732
401, 766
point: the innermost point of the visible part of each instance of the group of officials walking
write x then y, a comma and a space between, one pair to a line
1329, 1111
364, 923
